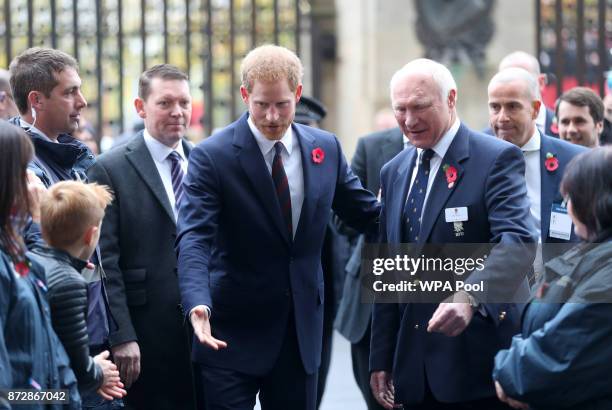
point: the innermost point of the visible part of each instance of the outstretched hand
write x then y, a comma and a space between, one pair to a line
201, 328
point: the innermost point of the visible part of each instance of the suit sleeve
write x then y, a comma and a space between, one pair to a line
512, 229
354, 204
562, 363
110, 249
197, 227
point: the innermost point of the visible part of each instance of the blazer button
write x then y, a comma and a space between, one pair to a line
416, 326
502, 315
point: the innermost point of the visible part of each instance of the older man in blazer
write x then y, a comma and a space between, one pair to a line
452, 186
354, 316
150, 345
257, 200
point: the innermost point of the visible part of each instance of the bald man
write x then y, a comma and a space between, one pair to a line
521, 59
513, 109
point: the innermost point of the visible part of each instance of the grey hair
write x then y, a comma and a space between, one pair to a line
440, 74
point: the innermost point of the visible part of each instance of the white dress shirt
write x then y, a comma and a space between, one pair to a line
159, 153
541, 118
292, 162
436, 160
531, 152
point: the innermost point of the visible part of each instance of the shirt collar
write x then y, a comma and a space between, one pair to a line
534, 142
442, 146
159, 151
266, 145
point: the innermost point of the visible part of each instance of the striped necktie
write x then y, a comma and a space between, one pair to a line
177, 176
281, 185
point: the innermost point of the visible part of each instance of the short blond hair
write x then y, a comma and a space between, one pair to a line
271, 63
69, 208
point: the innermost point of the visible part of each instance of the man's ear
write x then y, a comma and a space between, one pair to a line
298, 93
452, 98
35, 100
90, 235
599, 127
139, 105
536, 109
244, 94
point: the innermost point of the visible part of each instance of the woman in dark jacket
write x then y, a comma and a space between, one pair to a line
563, 358
31, 355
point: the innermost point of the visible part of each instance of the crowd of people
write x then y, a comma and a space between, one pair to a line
162, 275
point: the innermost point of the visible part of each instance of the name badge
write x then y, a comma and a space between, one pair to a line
560, 223
456, 214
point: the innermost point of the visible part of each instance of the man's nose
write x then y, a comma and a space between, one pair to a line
272, 114
409, 120
503, 114
81, 101
176, 110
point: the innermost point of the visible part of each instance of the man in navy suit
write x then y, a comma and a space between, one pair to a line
426, 355
513, 109
545, 119
257, 199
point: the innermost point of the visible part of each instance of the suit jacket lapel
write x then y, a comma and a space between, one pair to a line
400, 185
313, 174
440, 192
139, 156
255, 168
549, 181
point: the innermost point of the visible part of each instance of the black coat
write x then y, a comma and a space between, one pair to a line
137, 247
67, 294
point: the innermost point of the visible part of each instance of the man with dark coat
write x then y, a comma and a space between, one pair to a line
137, 242
452, 186
257, 200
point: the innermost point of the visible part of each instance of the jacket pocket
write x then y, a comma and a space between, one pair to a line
135, 286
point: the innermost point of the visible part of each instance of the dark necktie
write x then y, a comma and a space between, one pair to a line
281, 184
177, 176
416, 199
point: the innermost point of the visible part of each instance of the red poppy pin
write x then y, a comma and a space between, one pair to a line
22, 268
318, 155
451, 175
551, 163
